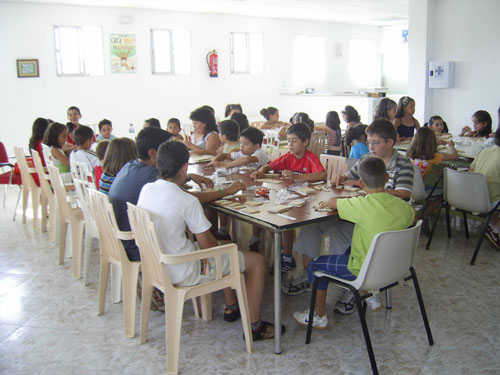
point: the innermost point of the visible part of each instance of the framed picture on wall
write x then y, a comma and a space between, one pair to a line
27, 68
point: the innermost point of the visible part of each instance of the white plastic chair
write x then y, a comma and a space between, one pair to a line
317, 143
68, 215
154, 274
388, 261
28, 185
47, 196
466, 192
113, 253
334, 165
46, 154
84, 182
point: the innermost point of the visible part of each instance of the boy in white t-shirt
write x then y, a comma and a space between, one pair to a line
84, 137
173, 211
251, 151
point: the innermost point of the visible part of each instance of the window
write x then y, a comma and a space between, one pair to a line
247, 53
79, 50
363, 64
309, 60
171, 51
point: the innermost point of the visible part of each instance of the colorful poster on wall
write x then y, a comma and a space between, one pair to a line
123, 57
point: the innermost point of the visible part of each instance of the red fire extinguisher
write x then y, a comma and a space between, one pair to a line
213, 64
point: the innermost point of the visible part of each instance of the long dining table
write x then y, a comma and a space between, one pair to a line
292, 218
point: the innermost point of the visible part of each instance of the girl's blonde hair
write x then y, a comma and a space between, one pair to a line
120, 151
424, 144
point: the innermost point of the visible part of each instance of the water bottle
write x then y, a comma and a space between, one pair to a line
131, 131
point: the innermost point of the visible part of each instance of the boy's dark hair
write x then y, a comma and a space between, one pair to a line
372, 172
150, 138
483, 116
39, 128
497, 137
175, 121
153, 122
254, 135
351, 114
101, 148
82, 134
230, 129
70, 126
241, 119
73, 108
104, 122
355, 133
383, 128
205, 116
52, 134
304, 118
301, 130
170, 158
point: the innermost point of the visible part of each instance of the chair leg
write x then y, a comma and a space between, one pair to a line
103, 283
195, 307
362, 318
35, 197
17, 203
25, 203
241, 293
130, 276
388, 299
63, 230
43, 203
434, 225
147, 295
421, 305
173, 320
116, 283
206, 307
86, 256
311, 310
76, 245
466, 226
52, 222
448, 227
480, 240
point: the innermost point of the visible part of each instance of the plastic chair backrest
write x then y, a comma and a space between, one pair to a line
59, 191
389, 258
107, 228
334, 165
146, 239
466, 191
277, 153
80, 173
47, 156
28, 181
4, 158
44, 184
317, 143
418, 189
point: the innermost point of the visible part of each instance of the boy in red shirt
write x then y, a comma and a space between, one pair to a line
299, 164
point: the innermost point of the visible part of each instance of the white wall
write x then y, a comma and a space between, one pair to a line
26, 31
465, 32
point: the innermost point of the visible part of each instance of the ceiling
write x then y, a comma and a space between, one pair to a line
364, 12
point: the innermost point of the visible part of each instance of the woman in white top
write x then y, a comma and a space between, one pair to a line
206, 138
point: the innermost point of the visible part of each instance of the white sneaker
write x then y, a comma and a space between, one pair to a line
374, 302
297, 286
345, 305
302, 317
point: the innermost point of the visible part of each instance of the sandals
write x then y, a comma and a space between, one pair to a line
266, 331
231, 315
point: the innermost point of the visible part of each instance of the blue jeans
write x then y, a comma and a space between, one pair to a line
335, 265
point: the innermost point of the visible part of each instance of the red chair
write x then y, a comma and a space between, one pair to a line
8, 178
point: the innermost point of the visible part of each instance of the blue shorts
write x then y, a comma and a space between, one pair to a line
335, 265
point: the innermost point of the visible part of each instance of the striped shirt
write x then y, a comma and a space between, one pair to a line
399, 168
105, 183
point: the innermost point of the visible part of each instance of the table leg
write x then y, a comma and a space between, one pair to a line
277, 292
388, 299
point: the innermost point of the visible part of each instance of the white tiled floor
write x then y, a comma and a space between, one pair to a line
49, 322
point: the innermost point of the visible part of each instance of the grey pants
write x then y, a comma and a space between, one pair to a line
310, 237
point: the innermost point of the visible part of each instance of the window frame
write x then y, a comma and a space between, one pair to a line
81, 52
171, 52
248, 53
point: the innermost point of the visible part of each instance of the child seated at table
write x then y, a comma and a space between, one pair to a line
376, 212
438, 126
299, 164
251, 152
356, 139
173, 211
100, 151
174, 128
55, 137
229, 136
481, 121
105, 130
84, 137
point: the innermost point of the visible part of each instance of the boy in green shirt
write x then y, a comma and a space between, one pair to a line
374, 213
